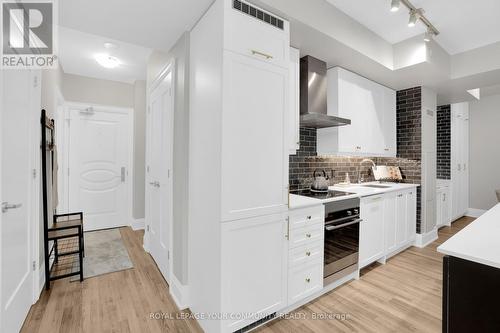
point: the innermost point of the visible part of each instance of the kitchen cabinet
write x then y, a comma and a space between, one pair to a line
371, 234
396, 226
459, 159
443, 206
306, 252
254, 267
253, 157
238, 171
294, 102
370, 106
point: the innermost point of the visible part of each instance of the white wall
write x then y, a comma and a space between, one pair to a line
484, 152
156, 63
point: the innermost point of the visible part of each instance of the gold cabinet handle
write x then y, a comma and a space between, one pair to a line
308, 280
308, 253
267, 56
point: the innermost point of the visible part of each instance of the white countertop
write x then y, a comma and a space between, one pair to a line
358, 190
479, 241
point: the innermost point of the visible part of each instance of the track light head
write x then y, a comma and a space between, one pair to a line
414, 15
428, 36
395, 4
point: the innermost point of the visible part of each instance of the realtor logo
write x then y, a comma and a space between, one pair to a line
28, 35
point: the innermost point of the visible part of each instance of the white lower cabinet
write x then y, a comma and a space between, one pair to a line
254, 268
443, 206
306, 253
389, 225
304, 280
371, 236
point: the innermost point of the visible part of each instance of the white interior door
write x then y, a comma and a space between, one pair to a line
99, 165
159, 186
17, 141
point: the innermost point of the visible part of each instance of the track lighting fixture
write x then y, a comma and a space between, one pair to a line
414, 16
395, 4
428, 35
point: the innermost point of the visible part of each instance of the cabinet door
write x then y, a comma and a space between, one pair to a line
390, 216
439, 209
371, 242
411, 215
294, 106
401, 219
254, 267
254, 154
390, 123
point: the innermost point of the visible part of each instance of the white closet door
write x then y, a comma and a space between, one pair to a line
254, 153
159, 175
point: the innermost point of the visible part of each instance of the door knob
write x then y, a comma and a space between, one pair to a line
6, 206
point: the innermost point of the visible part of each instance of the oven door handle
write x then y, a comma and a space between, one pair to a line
330, 228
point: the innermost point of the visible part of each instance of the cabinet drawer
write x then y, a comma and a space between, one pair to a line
304, 217
256, 38
306, 254
306, 235
304, 281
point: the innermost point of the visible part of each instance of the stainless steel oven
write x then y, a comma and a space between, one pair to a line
341, 239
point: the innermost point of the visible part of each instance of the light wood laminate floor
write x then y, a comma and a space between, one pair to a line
403, 295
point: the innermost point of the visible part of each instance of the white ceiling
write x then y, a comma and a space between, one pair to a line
78, 49
463, 24
150, 23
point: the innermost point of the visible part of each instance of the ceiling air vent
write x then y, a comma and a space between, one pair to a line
258, 14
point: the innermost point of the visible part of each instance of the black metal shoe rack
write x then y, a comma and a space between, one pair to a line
63, 239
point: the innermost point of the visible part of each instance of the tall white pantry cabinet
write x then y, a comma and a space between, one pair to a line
238, 201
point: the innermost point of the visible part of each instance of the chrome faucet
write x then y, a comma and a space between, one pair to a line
360, 179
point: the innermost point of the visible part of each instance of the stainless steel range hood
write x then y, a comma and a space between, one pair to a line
313, 95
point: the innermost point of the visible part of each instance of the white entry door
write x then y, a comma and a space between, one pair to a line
99, 143
159, 175
19, 117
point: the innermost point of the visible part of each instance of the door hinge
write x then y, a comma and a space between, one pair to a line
33, 173
35, 81
147, 228
34, 265
168, 255
147, 169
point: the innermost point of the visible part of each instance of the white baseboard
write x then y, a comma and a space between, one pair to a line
423, 240
474, 212
179, 292
137, 224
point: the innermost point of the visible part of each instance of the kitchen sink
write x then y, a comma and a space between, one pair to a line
377, 186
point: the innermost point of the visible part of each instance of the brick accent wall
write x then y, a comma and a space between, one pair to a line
303, 164
409, 123
444, 142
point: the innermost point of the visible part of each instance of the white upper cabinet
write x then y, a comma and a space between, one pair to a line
294, 106
371, 108
256, 33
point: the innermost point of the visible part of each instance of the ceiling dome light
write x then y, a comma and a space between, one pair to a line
413, 18
107, 61
395, 4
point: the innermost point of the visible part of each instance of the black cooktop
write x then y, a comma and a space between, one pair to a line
321, 195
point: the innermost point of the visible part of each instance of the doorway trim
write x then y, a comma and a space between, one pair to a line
63, 144
169, 68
